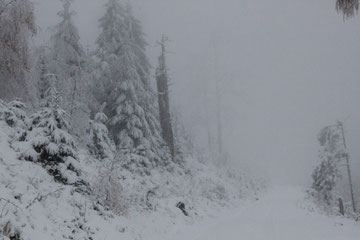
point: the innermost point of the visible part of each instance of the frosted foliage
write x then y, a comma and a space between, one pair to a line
66, 38
124, 82
330, 140
184, 143
324, 180
325, 175
52, 145
13, 113
100, 145
65, 60
17, 26
110, 192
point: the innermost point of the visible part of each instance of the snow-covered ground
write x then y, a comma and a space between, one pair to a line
281, 214
219, 204
34, 206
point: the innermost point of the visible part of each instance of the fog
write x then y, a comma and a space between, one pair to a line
286, 69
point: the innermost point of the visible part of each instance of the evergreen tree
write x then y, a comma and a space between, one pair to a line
132, 123
326, 174
101, 145
184, 143
17, 24
66, 58
139, 45
50, 141
325, 177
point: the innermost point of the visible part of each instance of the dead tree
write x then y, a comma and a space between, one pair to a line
162, 81
347, 158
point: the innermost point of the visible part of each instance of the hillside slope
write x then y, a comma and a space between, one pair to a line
34, 206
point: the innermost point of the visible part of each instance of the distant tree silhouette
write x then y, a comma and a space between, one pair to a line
348, 8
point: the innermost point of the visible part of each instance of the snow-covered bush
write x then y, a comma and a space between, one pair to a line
110, 193
108, 188
324, 180
11, 220
14, 115
52, 145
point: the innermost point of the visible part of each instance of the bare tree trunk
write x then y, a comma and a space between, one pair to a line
163, 98
219, 121
348, 167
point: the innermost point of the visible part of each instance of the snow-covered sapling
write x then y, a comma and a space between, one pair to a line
100, 144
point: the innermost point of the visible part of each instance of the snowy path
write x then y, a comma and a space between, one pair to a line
276, 216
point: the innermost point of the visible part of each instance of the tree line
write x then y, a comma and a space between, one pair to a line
101, 97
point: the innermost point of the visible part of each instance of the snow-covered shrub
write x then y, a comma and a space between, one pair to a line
108, 187
14, 115
8, 230
214, 191
324, 180
52, 145
11, 220
110, 193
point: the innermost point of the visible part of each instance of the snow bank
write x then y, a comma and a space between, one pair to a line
34, 206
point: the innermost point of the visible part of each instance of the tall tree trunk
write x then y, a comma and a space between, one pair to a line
347, 158
219, 121
163, 97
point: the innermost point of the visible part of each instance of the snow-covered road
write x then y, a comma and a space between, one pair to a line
278, 215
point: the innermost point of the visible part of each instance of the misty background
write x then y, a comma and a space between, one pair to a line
286, 69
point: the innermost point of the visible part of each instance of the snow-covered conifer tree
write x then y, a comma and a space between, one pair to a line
100, 143
139, 45
17, 24
66, 54
67, 60
325, 177
326, 174
184, 143
49, 139
132, 123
